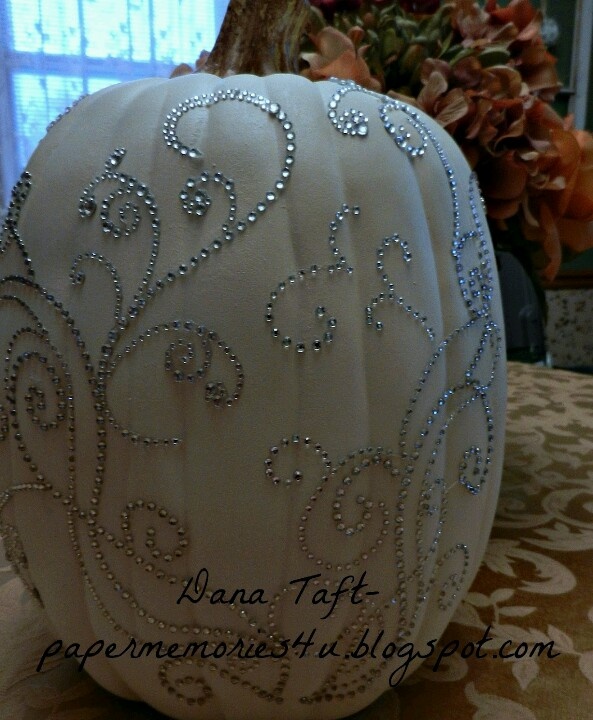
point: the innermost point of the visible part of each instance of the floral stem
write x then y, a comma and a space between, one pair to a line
259, 37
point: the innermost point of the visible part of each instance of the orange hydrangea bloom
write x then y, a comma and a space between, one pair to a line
338, 56
484, 73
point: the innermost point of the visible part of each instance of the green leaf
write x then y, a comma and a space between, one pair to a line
461, 53
389, 43
494, 56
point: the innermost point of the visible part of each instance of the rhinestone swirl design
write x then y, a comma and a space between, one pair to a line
363, 498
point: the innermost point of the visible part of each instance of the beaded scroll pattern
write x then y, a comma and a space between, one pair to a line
417, 455
188, 358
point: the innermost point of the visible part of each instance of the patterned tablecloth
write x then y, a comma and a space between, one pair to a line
535, 586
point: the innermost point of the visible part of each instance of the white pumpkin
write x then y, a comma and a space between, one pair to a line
252, 343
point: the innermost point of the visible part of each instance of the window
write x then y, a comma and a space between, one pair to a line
54, 51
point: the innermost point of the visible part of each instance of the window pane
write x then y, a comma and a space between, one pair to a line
114, 28
140, 30
57, 50
183, 28
39, 99
46, 26
117, 29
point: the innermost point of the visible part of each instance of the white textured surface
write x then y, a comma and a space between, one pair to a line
423, 395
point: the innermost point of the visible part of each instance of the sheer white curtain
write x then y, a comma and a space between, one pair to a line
54, 51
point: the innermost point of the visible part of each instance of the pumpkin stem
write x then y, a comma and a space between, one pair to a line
259, 37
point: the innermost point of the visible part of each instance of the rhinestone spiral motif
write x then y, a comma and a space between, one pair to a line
366, 494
